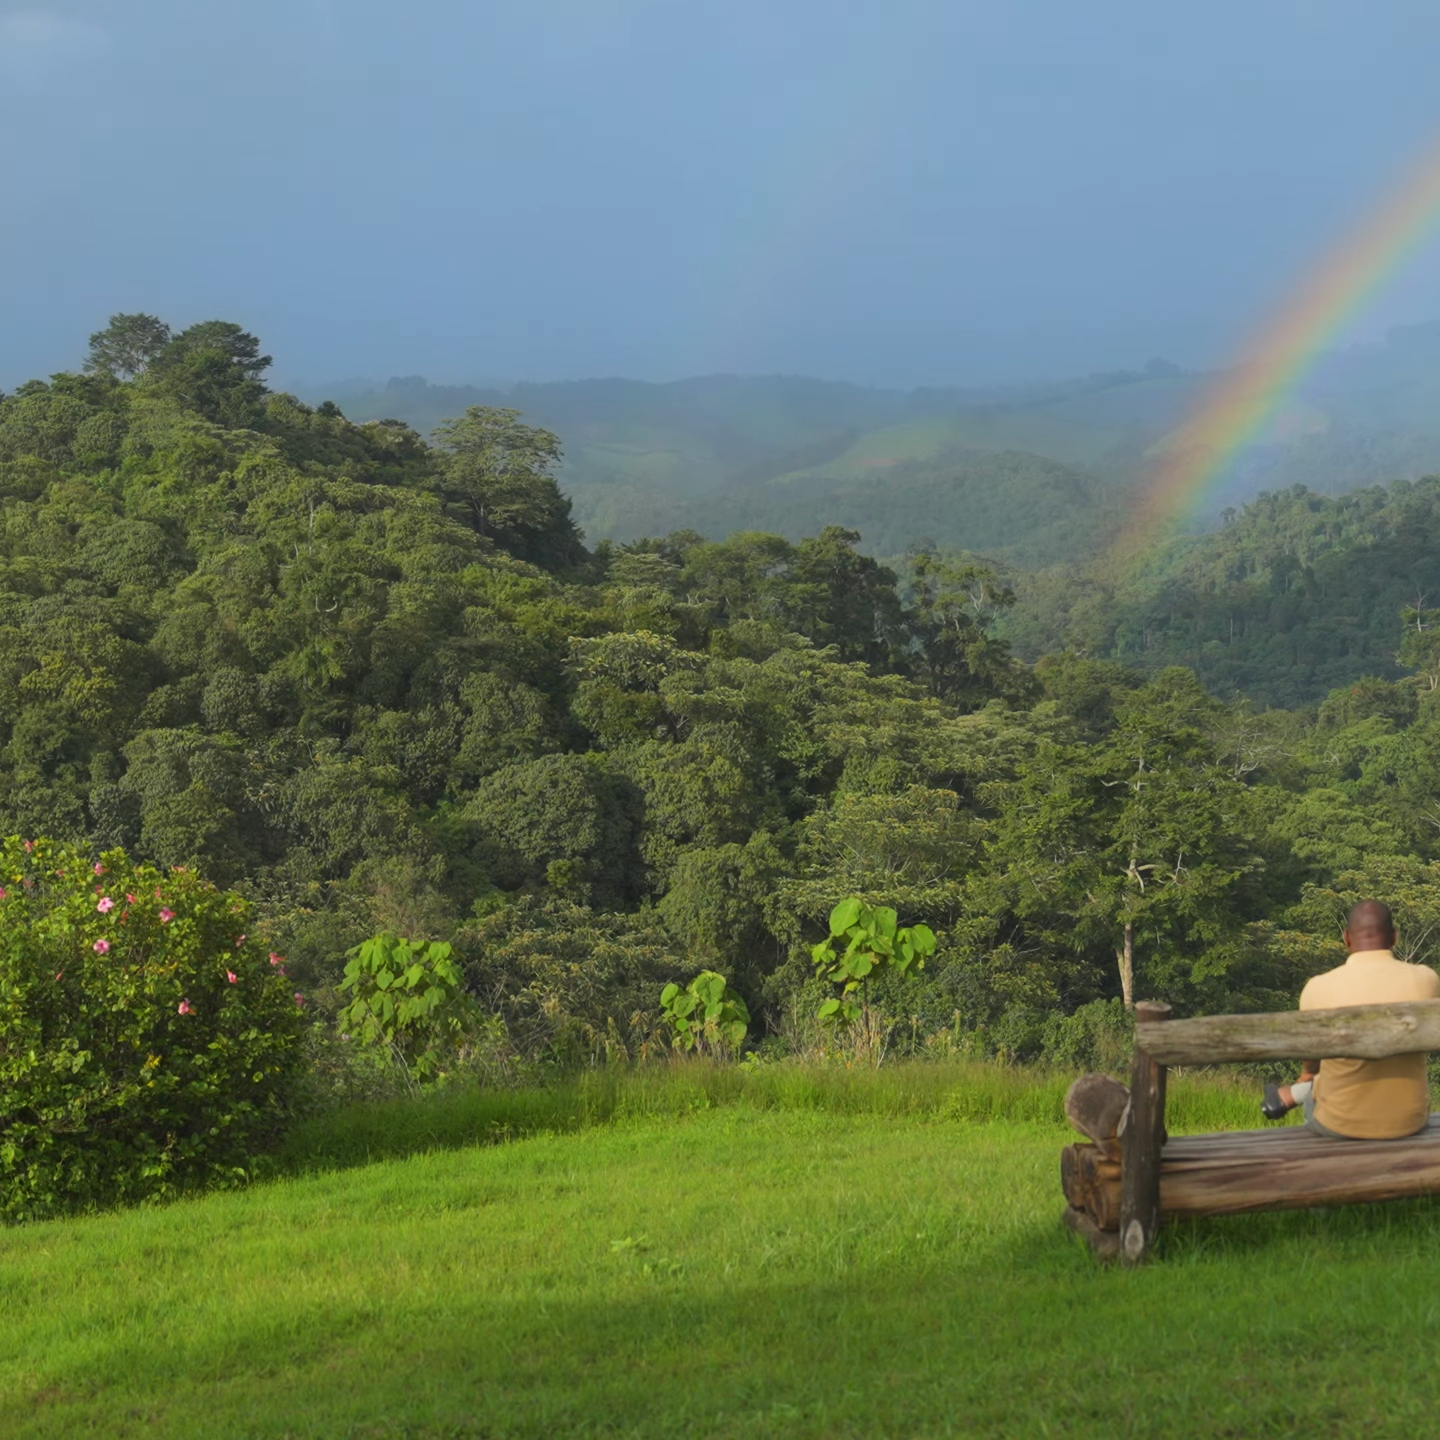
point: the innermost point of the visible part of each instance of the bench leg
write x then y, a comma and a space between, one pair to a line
1142, 1133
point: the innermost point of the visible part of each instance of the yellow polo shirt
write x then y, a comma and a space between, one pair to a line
1372, 1099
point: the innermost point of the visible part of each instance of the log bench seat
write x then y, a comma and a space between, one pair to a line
1129, 1177
1235, 1173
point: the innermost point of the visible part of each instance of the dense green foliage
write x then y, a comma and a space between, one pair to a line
863, 948
705, 1016
1296, 595
381, 687
147, 1045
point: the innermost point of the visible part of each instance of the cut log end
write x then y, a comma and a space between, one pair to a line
1090, 1181
1132, 1244
1094, 1105
1104, 1244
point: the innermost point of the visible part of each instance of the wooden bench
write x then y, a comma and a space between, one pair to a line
1129, 1178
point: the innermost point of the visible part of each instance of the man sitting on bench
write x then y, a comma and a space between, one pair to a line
1362, 1099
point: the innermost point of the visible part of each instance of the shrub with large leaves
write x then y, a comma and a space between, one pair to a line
407, 996
875, 947
706, 1015
147, 1045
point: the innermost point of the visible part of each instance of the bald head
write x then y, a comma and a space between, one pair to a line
1369, 927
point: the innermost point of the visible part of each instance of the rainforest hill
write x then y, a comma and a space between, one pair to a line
380, 681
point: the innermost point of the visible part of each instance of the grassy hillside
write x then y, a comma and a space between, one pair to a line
832, 1257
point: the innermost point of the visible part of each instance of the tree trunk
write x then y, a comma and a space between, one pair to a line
1126, 958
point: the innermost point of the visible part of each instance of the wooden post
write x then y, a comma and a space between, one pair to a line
1142, 1132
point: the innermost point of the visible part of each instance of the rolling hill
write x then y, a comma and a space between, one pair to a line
1033, 473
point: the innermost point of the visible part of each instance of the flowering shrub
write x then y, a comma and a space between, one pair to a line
146, 1044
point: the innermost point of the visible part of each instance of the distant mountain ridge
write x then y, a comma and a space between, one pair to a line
1036, 473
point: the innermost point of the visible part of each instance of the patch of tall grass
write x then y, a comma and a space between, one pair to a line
972, 1092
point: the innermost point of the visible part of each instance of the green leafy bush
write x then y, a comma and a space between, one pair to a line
706, 1015
874, 947
147, 1045
407, 996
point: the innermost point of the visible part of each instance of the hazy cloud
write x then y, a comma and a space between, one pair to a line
37, 46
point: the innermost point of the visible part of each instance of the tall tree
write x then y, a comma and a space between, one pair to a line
1140, 837
238, 348
498, 475
840, 597
1173, 827
955, 606
127, 346
214, 368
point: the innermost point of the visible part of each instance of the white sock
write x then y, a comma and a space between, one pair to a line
1300, 1090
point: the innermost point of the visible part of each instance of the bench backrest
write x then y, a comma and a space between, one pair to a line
1354, 1032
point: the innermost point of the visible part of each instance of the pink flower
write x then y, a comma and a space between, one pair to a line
2, 892
129, 899
101, 947
239, 941
157, 892
59, 973
231, 976
183, 1008
299, 999
276, 959
106, 906
29, 846
166, 916
99, 868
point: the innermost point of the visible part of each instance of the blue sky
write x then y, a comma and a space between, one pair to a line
899, 192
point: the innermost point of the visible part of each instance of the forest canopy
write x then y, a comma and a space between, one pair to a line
379, 682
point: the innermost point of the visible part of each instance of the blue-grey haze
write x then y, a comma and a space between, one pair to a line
896, 192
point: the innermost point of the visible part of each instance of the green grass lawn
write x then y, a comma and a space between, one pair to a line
785, 1254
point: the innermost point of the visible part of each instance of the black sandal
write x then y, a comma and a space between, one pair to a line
1273, 1107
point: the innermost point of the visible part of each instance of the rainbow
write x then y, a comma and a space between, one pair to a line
1235, 408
